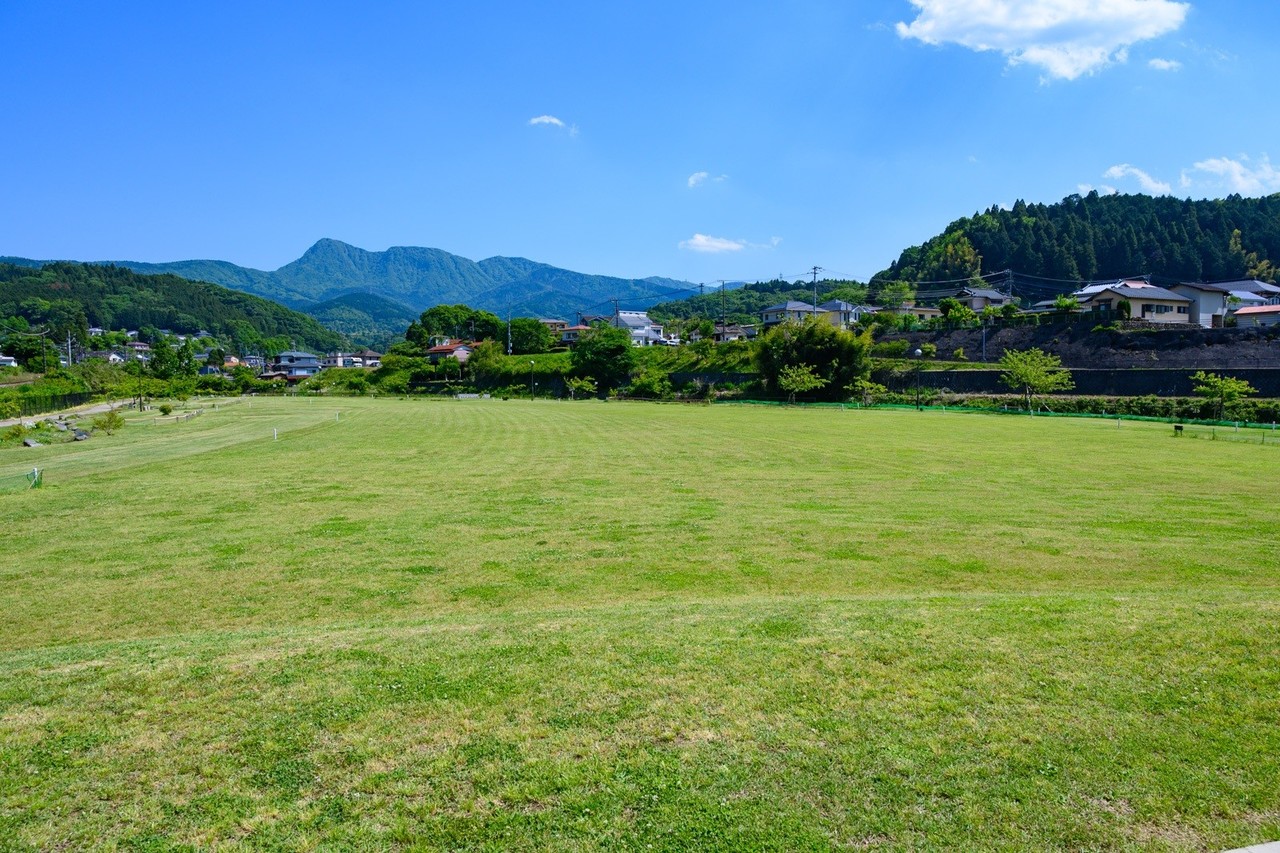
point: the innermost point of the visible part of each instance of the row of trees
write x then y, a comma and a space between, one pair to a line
527, 334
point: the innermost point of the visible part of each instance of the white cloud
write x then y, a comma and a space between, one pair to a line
1237, 176
1148, 183
1164, 64
712, 245
552, 120
1103, 189
1067, 38
701, 177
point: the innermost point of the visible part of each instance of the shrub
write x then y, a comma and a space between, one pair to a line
108, 422
959, 355
166, 409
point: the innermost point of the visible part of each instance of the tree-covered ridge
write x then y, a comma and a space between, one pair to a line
366, 318
70, 298
1101, 237
420, 277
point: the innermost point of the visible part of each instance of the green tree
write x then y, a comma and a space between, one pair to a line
486, 360
799, 379
580, 386
867, 391
836, 356
164, 361
108, 422
894, 294
1223, 390
1065, 303
1034, 371
604, 352
530, 335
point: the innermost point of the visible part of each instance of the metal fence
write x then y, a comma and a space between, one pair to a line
30, 404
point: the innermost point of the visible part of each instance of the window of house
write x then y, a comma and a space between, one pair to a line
1146, 309
1182, 309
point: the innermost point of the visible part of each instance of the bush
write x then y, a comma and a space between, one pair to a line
890, 349
108, 422
650, 385
166, 409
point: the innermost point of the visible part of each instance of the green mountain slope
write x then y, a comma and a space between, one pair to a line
1101, 237
71, 297
366, 318
420, 278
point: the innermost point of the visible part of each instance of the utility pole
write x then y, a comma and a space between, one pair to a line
68, 349
723, 318
815, 272
508, 331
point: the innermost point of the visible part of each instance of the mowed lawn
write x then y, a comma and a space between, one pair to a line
432, 624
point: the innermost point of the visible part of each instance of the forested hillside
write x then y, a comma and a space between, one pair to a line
419, 278
70, 298
366, 318
1101, 237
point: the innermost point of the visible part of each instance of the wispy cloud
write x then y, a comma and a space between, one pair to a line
702, 177
1066, 38
1237, 176
1164, 64
553, 122
1148, 183
712, 245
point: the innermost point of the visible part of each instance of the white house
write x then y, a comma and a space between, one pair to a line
644, 332
1210, 303
8, 361
789, 311
1146, 301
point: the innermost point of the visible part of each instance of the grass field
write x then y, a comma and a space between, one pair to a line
496, 625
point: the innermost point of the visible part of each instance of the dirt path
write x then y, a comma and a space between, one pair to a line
78, 411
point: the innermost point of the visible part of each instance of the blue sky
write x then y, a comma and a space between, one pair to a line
701, 141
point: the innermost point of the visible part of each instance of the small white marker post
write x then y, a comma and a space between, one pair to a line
335, 415
275, 434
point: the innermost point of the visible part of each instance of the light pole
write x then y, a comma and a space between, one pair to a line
918, 354
530, 379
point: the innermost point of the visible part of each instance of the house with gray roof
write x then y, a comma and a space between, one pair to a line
789, 311
1146, 302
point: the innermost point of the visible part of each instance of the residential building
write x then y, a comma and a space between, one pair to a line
923, 313
367, 358
296, 365
1258, 315
8, 361
726, 332
1210, 303
644, 332
339, 359
456, 349
556, 326
1146, 302
842, 315
569, 335
789, 311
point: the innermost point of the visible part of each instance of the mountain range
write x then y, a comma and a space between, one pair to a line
415, 278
